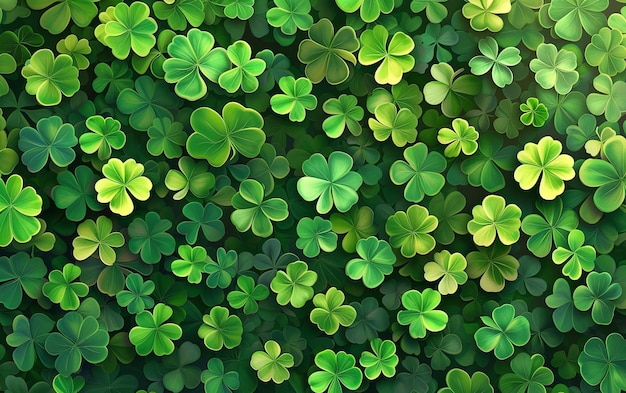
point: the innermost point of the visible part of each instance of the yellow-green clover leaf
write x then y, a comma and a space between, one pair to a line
494, 217
294, 285
450, 268
120, 178
483, 14
330, 312
410, 231
49, 78
271, 364
396, 57
97, 236
131, 28
420, 313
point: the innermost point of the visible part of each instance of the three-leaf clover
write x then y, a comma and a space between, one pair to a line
222, 271
152, 334
205, 218
551, 227
376, 259
494, 217
97, 236
271, 364
579, 257
498, 63
356, 224
49, 78
421, 172
251, 211
149, 238
131, 28
338, 369
105, 135
370, 9
51, 139
248, 295
598, 295
410, 231
28, 338
314, 234
609, 176
245, 71
330, 312
192, 176
166, 137
294, 285
18, 207
461, 138
607, 102
604, 363
219, 329
420, 313
399, 124
296, 100
290, 15
20, 274
450, 268
396, 56
572, 16
216, 380
61, 289
503, 331
529, 375
555, 68
344, 113
483, 14
120, 178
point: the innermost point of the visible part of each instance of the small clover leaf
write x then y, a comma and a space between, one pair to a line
120, 178
344, 113
598, 295
376, 260
97, 236
152, 334
330, 312
483, 14
420, 313
410, 231
105, 135
248, 295
565, 316
271, 364
395, 56
77, 49
137, 297
205, 218
503, 331
219, 329
448, 90
435, 10
607, 101
245, 72
578, 256
148, 101
222, 271
461, 138
149, 238
400, 125
384, 359
191, 263
493, 265
450, 268
534, 112
131, 28
356, 224
607, 175
314, 235
75, 193
498, 63
216, 380
494, 217
61, 290
296, 100
252, 212
421, 172
294, 285
51, 139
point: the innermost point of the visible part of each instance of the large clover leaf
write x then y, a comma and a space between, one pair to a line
20, 274
529, 375
376, 259
52, 139
400, 125
219, 329
420, 313
498, 63
252, 212
421, 172
338, 369
494, 217
330, 312
503, 331
604, 363
18, 207
120, 178
271, 364
572, 16
565, 316
493, 265
130, 28
459, 381
555, 68
28, 338
607, 102
395, 56
410, 231
607, 52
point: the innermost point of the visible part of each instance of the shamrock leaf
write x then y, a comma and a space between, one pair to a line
178, 12
77, 49
598, 295
315, 234
493, 217
607, 175
20, 273
149, 238
97, 236
410, 231
498, 63
8, 156
384, 359
57, 18
218, 381
448, 90
113, 78
75, 193
217, 138
267, 167
420, 313
483, 15
357, 224
448, 210
421, 172
607, 102
242, 9
248, 295
244, 74
120, 178
28, 338
607, 52
290, 15
130, 28
375, 262
483, 169
554, 68
449, 266
192, 176
493, 265
604, 363
61, 290
503, 331
222, 271
325, 52
370, 320
192, 57
459, 381
565, 315
166, 137
78, 338
344, 113
578, 256
294, 285
551, 227
529, 375
52, 139
296, 100
148, 101
400, 125
205, 218
219, 329
105, 135
251, 211
271, 364
330, 312
137, 297
338, 369
534, 112
462, 137
333, 182
18, 207
152, 334
191, 263
571, 16
435, 11
396, 58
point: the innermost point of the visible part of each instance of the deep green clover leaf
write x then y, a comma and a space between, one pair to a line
325, 52
534, 112
598, 295
217, 138
294, 285
97, 236
205, 218
314, 235
420, 313
271, 364
400, 125
555, 68
448, 90
607, 52
450, 268
498, 63
435, 10
191, 263
245, 71
607, 101
105, 135
221, 271
459, 381
148, 101
384, 359
219, 329
17, 43
483, 14
149, 238
565, 315
356, 224
192, 57
18, 207
503, 331
483, 169
395, 56
579, 257
78, 338
607, 175
494, 217
20, 274
216, 380
75, 193
267, 167
51, 139
449, 212
253, 212
131, 28
166, 137
192, 176
572, 16
113, 78
551, 227
330, 312
290, 15
61, 289
461, 138
344, 113
410, 231
332, 183
120, 178
439, 347
178, 13
137, 297
604, 363
62, 384
57, 18
152, 334
296, 100
421, 172
370, 320
28, 338
376, 259
529, 375
248, 295
338, 370
493, 265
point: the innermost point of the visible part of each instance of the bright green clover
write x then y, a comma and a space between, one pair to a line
105, 135
193, 57
296, 100
384, 359
294, 285
332, 183
131, 28
503, 331
435, 11
7, 66
19, 206
51, 139
28, 338
598, 295
330, 312
216, 380
344, 112
607, 51
77, 49
572, 16
578, 256
410, 231
420, 313
421, 172
544, 159
483, 14
61, 290
149, 100
338, 370
400, 125
20, 274
166, 137
498, 63
494, 217
97, 236
448, 90
120, 178
191, 263
370, 9
356, 224
604, 363
178, 12
221, 271
551, 227
251, 211
290, 15
609, 176
271, 364
248, 295
459, 381
314, 235
78, 338
242, 9
245, 71
608, 101
152, 334
450, 268
217, 138
461, 138
376, 260
325, 52
529, 375
57, 18
396, 56
192, 176
8, 156
205, 218
555, 68
219, 329
533, 112
137, 297
149, 238
493, 265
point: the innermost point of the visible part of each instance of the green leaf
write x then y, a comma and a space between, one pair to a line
330, 312
52, 139
529, 375
383, 359
294, 285
498, 63
152, 334
493, 265
555, 68
56, 19
578, 256
376, 260
251, 211
245, 70
607, 175
459, 381
97, 236
607, 102
598, 295
572, 16
137, 297
450, 268
503, 331
420, 313
219, 329
205, 218
493, 217
28, 338
395, 56
603, 363
484, 15
61, 289
462, 137
296, 100
271, 364
421, 172
337, 370
315, 235
248, 295
448, 90
131, 28
120, 178
20, 274
410, 231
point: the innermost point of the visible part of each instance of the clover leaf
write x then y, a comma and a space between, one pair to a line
493, 217
28, 338
242, 9
222, 271
152, 334
493, 265
330, 312
421, 172
462, 137
137, 297
216, 380
400, 125
150, 239
483, 169
420, 313
384, 359
338, 370
271, 364
51, 139
20, 274
166, 137
448, 210
607, 52
252, 212
555, 68
395, 56
529, 375
578, 256
603, 363
192, 176
435, 10
498, 63
219, 329
120, 178
607, 175
375, 261
534, 112
18, 207
607, 102
551, 227
598, 295
483, 15
503, 331
459, 381
178, 13
410, 231
248, 295
245, 70
205, 218
217, 138
294, 285
572, 16
105, 135
131, 28
565, 316
191, 263
314, 235
344, 113
448, 90
7, 66
97, 236
450, 268
296, 98
61, 289
356, 224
